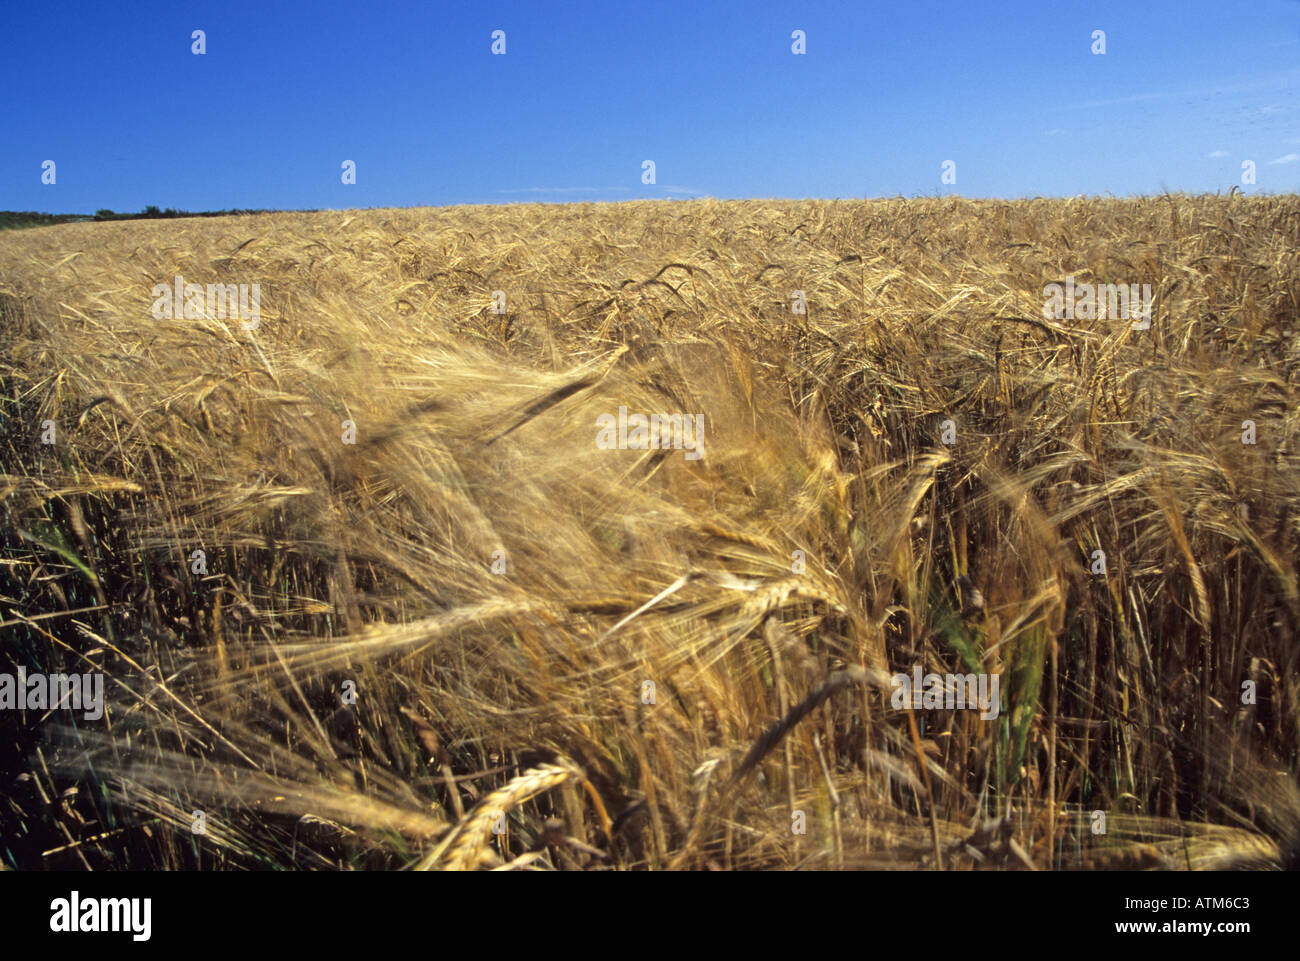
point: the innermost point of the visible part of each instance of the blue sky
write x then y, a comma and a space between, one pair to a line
710, 91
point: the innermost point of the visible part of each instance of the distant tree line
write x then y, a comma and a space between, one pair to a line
10, 219
153, 213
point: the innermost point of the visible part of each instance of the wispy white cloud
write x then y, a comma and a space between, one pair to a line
1131, 98
1217, 153
563, 190
1267, 110
1286, 159
1284, 79
568, 191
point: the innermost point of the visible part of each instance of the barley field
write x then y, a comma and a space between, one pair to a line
366, 592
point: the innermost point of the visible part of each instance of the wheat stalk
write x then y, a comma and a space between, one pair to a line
469, 839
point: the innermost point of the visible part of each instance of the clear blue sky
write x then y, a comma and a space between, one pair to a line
710, 91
